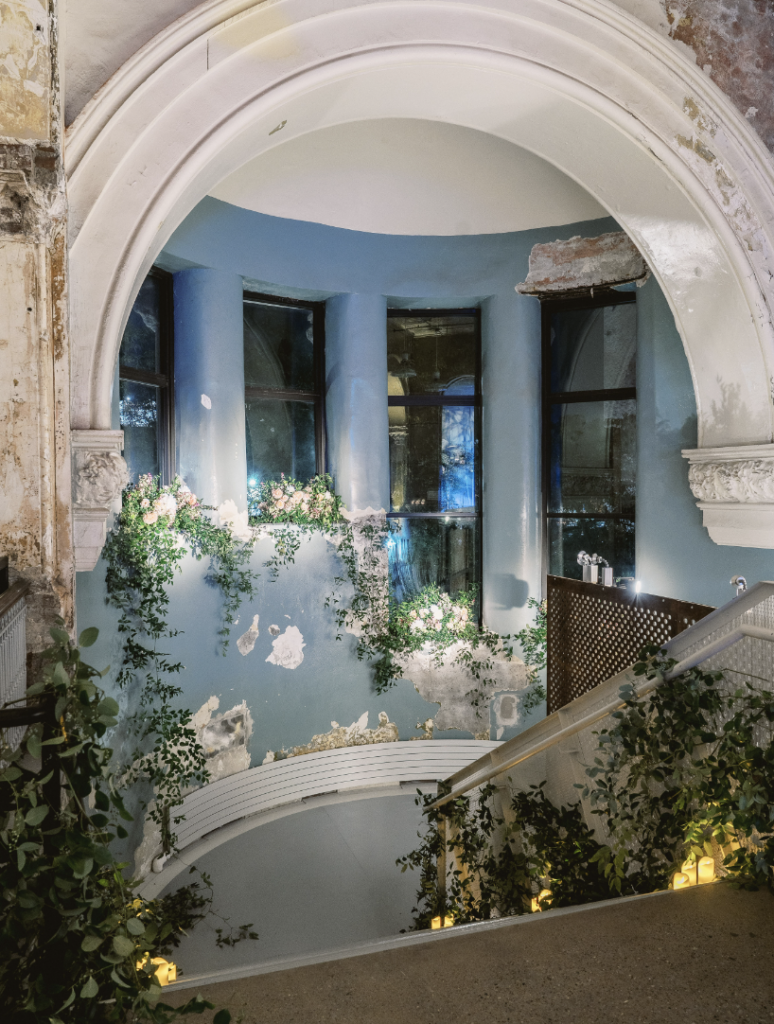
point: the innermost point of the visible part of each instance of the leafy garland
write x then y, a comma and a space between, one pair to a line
156, 528
682, 774
77, 943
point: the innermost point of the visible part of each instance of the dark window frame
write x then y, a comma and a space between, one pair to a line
164, 380
603, 297
474, 400
316, 397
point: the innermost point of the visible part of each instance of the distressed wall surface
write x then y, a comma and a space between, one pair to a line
731, 40
34, 354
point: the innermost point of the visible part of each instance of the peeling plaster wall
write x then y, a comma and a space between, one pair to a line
293, 700
34, 353
294, 707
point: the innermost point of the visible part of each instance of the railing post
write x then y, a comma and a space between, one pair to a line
442, 867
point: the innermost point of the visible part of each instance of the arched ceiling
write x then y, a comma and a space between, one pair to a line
400, 176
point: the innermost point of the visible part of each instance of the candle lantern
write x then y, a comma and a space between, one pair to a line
706, 870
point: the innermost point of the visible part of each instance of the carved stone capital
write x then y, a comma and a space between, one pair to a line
100, 474
735, 488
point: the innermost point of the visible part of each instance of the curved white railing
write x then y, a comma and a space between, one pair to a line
345, 769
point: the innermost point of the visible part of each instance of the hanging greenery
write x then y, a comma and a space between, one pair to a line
685, 772
77, 942
156, 528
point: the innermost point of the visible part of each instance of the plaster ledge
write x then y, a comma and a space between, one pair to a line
735, 492
99, 475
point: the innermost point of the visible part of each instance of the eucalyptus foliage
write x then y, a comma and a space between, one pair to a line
684, 772
75, 939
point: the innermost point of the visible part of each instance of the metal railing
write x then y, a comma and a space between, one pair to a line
703, 642
747, 617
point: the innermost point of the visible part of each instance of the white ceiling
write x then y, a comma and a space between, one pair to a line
408, 177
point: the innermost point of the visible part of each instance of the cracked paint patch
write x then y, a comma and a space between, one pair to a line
505, 708
356, 735
246, 642
288, 649
450, 687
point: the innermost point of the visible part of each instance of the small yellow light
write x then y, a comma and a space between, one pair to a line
542, 895
680, 880
690, 869
706, 870
435, 924
166, 971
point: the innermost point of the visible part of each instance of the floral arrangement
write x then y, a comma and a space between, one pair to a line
290, 501
160, 506
434, 618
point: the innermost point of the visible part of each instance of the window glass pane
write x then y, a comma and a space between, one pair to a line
279, 346
613, 539
431, 355
594, 348
140, 345
442, 551
432, 458
593, 457
280, 439
138, 405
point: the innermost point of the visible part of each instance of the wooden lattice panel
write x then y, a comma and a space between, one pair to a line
595, 632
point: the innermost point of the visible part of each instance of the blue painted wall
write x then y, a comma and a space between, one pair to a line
675, 556
674, 553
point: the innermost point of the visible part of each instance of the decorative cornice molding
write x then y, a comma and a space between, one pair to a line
735, 492
100, 474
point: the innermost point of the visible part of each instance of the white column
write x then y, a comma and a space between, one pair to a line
210, 385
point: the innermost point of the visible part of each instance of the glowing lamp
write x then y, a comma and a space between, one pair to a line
542, 895
435, 924
706, 870
680, 880
690, 869
166, 971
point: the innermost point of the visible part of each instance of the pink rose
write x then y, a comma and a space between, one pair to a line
144, 503
276, 493
150, 517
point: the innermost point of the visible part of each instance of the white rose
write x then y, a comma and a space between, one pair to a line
150, 517
166, 505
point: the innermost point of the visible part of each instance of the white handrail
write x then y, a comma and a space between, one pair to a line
520, 749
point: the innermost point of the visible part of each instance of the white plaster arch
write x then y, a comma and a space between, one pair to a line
577, 82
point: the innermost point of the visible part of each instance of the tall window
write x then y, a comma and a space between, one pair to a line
589, 431
434, 397
284, 380
146, 391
